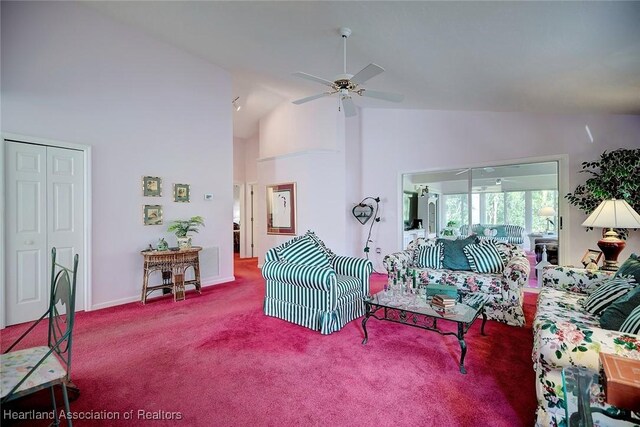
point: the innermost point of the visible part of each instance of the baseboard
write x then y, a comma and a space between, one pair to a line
207, 281
115, 302
211, 281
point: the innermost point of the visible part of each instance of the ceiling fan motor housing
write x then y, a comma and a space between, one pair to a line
343, 81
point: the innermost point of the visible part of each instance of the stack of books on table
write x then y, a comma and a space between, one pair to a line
443, 302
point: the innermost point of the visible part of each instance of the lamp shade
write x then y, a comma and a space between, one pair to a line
613, 213
547, 211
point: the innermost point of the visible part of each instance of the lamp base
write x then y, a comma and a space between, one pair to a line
611, 248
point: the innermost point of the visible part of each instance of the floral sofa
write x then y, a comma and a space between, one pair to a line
565, 334
504, 290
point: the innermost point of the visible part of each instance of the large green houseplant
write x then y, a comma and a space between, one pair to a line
182, 228
616, 175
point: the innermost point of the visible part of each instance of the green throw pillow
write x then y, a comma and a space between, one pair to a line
614, 315
454, 257
304, 252
607, 293
484, 257
429, 257
631, 267
632, 324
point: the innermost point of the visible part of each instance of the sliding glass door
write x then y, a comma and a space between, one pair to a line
473, 200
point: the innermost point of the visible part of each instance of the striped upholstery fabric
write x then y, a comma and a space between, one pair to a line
484, 257
513, 233
304, 252
632, 323
301, 275
607, 293
429, 256
320, 298
330, 255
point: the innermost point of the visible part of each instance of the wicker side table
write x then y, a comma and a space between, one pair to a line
172, 264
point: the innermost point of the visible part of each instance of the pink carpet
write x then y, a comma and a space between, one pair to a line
217, 360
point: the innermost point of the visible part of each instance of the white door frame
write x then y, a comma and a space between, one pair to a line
249, 219
86, 150
563, 214
240, 186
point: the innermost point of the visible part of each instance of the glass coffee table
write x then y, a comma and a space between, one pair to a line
417, 311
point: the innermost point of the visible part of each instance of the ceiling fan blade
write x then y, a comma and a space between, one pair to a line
313, 78
387, 96
366, 73
311, 98
349, 107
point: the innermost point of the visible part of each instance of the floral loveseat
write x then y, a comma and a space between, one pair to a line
566, 334
505, 290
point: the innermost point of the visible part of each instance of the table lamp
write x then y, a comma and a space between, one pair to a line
547, 212
612, 214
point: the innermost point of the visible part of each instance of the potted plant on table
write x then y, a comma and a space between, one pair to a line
182, 228
450, 231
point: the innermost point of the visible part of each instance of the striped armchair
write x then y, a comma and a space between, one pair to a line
323, 296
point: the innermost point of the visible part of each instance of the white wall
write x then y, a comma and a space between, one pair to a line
251, 154
146, 108
239, 160
400, 141
305, 144
355, 243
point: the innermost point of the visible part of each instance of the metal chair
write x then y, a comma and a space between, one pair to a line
32, 369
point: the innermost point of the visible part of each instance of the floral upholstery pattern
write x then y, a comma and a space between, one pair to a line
504, 290
577, 280
16, 364
565, 334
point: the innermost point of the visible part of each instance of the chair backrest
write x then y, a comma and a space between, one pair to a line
62, 306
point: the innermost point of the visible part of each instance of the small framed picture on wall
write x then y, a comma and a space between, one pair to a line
152, 214
151, 186
181, 193
281, 209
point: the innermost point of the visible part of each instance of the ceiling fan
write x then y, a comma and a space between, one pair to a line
345, 85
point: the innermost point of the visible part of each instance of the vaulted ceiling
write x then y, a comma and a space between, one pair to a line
565, 57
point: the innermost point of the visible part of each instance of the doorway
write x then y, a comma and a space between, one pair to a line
46, 206
244, 220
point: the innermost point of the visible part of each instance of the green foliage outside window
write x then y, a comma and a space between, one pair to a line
515, 201
456, 208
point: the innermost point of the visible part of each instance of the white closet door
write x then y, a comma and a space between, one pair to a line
45, 209
26, 230
65, 219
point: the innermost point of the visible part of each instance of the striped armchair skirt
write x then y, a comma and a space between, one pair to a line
319, 298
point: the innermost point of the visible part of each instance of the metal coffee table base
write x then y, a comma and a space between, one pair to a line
422, 321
